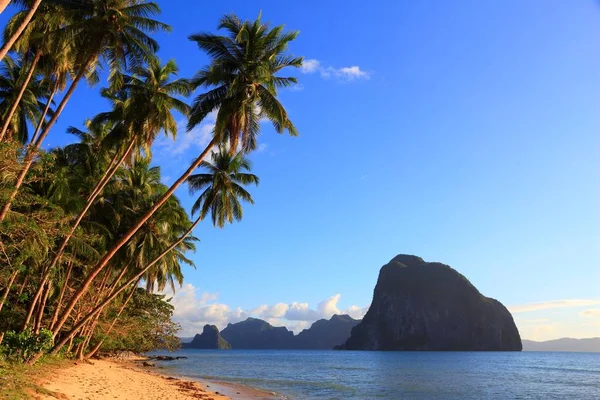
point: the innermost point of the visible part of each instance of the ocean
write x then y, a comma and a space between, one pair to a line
307, 375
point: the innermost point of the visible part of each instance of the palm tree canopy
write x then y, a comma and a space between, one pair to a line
30, 107
222, 187
243, 80
116, 30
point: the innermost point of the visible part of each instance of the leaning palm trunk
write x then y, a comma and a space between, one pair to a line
29, 157
3, 5
95, 349
40, 311
92, 327
11, 280
125, 238
112, 169
46, 109
9, 44
124, 286
61, 295
15, 105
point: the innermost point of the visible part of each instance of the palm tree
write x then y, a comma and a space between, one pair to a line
275, 42
23, 24
113, 29
36, 43
242, 80
142, 108
30, 106
222, 187
221, 195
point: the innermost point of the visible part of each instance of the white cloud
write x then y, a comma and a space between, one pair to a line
594, 313
196, 139
310, 66
193, 310
344, 73
546, 305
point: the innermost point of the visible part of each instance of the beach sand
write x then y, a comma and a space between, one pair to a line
102, 379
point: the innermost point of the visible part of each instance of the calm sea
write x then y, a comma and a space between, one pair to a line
307, 375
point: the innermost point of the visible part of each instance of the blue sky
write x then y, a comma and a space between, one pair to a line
464, 132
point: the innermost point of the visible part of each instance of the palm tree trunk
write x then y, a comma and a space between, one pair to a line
9, 44
3, 5
25, 282
8, 287
17, 101
97, 190
124, 286
40, 312
33, 149
61, 295
33, 304
93, 351
46, 109
125, 238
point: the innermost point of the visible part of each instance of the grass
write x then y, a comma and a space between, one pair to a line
21, 381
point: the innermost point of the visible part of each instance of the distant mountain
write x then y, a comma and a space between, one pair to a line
564, 344
326, 334
429, 306
255, 333
209, 339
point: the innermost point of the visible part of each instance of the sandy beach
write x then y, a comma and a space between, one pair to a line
102, 379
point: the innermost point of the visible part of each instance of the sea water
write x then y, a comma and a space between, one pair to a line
307, 375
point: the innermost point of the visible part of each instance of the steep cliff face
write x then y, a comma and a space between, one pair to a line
255, 333
209, 339
430, 306
326, 333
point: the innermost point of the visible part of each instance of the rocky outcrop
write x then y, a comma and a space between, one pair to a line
429, 306
255, 333
209, 339
325, 334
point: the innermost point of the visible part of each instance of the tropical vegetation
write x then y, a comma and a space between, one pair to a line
90, 235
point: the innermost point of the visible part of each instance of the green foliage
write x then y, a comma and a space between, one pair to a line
20, 346
75, 202
145, 325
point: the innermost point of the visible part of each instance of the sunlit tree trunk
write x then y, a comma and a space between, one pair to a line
11, 41
95, 349
3, 5
125, 238
61, 295
112, 169
17, 101
29, 157
46, 109
41, 307
12, 278
124, 286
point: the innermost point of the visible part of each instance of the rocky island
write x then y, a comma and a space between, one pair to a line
420, 305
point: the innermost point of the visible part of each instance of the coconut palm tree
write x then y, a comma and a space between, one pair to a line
222, 186
243, 80
142, 108
276, 41
30, 106
116, 30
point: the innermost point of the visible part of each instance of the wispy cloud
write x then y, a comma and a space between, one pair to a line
194, 309
196, 139
547, 305
351, 73
594, 313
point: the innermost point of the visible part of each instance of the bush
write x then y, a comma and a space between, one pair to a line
20, 346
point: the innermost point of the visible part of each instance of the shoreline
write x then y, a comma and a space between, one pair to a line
127, 379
